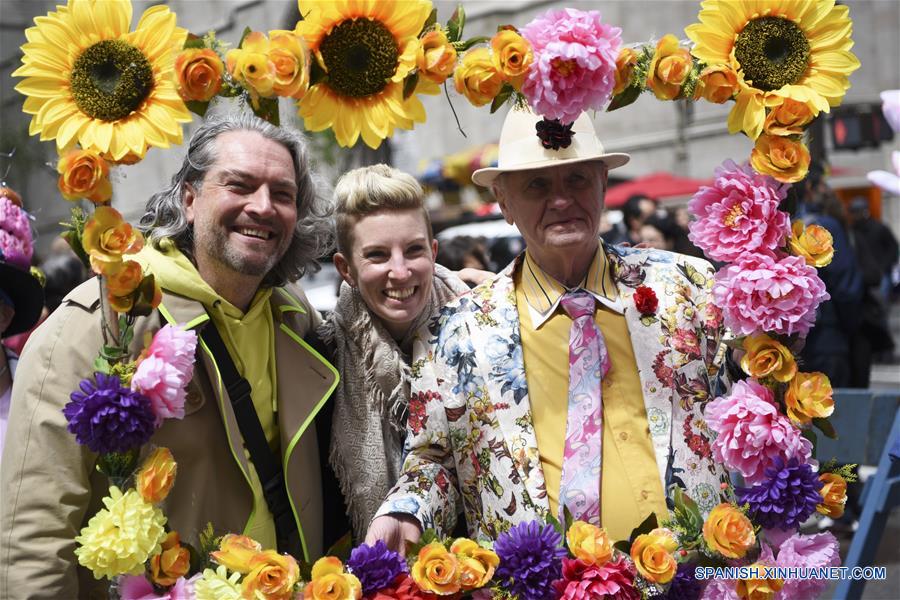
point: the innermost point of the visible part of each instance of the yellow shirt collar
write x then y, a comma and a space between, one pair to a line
542, 292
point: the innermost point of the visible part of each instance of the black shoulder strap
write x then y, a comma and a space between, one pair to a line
266, 462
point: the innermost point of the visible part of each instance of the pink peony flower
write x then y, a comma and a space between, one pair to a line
16, 246
820, 550
739, 214
582, 581
574, 66
136, 587
763, 293
720, 589
751, 433
165, 371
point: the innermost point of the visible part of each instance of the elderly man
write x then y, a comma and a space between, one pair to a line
240, 220
576, 378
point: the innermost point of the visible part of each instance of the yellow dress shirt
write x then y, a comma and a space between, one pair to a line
630, 487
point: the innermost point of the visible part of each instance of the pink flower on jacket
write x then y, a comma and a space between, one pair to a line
751, 433
810, 551
574, 66
583, 581
739, 214
165, 370
136, 587
763, 293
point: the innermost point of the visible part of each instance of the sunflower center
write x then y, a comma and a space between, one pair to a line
360, 57
772, 52
110, 79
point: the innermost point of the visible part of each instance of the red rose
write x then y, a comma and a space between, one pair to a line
645, 300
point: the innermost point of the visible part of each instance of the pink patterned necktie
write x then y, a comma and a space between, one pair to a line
579, 488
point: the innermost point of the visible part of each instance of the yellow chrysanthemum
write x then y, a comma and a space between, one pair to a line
779, 48
218, 585
91, 81
366, 50
120, 538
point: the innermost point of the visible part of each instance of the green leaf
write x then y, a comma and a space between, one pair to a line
247, 31
431, 20
317, 74
341, 548
456, 24
623, 546
194, 41
197, 107
501, 97
646, 526
268, 110
825, 427
463, 46
410, 83
811, 436
118, 465
557, 526
648, 320
102, 365
412, 550
144, 294
127, 331
626, 97
567, 515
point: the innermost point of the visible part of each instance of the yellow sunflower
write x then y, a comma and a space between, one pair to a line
778, 48
366, 49
88, 80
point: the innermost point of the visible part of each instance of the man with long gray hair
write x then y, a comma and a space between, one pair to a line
241, 220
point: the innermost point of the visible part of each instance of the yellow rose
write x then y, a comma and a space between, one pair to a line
834, 495
669, 68
290, 59
172, 562
122, 279
272, 576
236, 552
589, 543
728, 531
84, 174
157, 475
652, 555
808, 397
436, 570
814, 243
107, 237
766, 357
476, 78
436, 56
251, 67
476, 564
783, 158
199, 74
758, 589
329, 582
716, 84
789, 117
512, 56
625, 64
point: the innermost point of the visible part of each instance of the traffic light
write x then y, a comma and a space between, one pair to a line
859, 126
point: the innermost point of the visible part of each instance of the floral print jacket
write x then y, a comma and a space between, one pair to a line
471, 443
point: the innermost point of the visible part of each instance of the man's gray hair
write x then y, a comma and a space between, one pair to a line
313, 235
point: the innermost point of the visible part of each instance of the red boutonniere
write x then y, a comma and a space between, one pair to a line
645, 300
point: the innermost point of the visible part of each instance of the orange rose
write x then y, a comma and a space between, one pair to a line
716, 84
172, 562
625, 64
476, 78
512, 56
669, 68
272, 576
436, 56
107, 237
329, 582
783, 158
250, 66
84, 174
834, 495
789, 117
199, 74
122, 280
728, 531
808, 397
766, 357
589, 543
653, 557
290, 59
236, 551
758, 589
814, 244
436, 570
157, 475
476, 564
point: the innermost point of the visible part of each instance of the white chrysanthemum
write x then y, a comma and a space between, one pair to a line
218, 585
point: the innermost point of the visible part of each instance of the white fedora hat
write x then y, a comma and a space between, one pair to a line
521, 148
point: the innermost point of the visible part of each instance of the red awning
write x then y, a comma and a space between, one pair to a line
656, 186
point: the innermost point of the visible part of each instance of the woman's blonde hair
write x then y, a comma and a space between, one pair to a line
368, 190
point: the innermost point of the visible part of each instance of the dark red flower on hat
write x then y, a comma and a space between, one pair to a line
645, 300
553, 134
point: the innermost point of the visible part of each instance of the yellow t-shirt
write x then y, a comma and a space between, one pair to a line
630, 487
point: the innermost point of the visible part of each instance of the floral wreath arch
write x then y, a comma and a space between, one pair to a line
107, 94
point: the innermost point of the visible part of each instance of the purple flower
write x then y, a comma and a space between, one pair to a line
530, 560
786, 497
685, 586
107, 417
376, 566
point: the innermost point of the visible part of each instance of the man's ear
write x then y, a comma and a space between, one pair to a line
187, 201
343, 267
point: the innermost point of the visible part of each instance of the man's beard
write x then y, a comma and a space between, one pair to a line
217, 247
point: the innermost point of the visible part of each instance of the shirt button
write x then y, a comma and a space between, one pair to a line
623, 436
645, 494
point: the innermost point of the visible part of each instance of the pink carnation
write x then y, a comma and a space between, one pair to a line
763, 293
15, 234
582, 581
739, 214
751, 433
811, 551
165, 371
136, 587
574, 64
